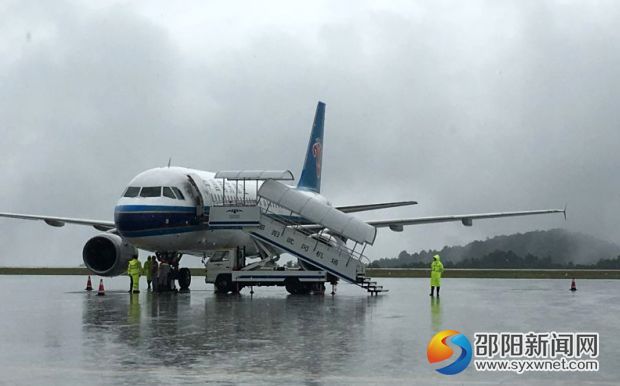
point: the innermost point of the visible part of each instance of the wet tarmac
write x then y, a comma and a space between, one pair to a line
53, 332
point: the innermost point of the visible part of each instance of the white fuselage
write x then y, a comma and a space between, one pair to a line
164, 217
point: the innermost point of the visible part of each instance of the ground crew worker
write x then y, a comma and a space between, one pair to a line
154, 272
146, 269
162, 278
133, 270
436, 271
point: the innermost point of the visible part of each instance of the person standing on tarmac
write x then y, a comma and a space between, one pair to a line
133, 270
436, 271
163, 276
146, 269
154, 272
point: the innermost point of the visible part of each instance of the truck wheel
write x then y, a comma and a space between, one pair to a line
223, 283
185, 278
304, 289
292, 285
318, 288
235, 289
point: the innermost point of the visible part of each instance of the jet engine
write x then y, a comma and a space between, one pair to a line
108, 254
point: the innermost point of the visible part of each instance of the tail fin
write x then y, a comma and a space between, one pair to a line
311, 174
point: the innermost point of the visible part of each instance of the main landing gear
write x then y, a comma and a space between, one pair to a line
169, 271
184, 277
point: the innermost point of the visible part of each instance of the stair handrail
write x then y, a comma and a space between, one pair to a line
298, 227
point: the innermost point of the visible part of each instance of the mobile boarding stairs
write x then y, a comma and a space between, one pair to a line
300, 224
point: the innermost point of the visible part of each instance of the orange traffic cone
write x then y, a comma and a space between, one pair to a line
101, 291
89, 285
573, 287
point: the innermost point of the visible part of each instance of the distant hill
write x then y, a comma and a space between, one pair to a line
553, 248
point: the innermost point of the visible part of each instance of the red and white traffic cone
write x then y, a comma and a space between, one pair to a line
573, 287
101, 291
89, 285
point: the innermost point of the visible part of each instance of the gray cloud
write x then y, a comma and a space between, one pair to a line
471, 107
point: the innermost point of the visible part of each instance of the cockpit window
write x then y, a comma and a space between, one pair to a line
168, 192
178, 192
150, 191
132, 191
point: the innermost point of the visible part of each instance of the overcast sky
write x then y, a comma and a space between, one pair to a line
464, 106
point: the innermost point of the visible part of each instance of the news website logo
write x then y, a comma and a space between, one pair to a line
439, 351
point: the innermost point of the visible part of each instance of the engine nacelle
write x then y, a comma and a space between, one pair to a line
108, 254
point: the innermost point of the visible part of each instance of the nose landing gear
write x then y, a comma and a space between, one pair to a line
169, 271
184, 278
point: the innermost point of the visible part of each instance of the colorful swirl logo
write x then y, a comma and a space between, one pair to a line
438, 351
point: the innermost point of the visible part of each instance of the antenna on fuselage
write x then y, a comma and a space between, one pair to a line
169, 161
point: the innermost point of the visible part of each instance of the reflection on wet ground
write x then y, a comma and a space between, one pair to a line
234, 333
54, 334
436, 314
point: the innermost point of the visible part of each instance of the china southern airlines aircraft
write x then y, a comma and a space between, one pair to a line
166, 211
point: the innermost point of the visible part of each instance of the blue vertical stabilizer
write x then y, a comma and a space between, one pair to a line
311, 174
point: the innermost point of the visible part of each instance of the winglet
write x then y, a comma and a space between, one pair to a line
311, 173
564, 211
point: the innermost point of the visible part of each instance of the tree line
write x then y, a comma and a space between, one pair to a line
507, 260
550, 249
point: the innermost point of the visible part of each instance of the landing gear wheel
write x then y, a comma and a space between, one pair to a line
223, 283
185, 278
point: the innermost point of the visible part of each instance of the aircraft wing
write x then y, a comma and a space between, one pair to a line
365, 207
467, 219
61, 221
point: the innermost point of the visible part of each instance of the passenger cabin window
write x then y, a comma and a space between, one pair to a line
132, 191
169, 193
178, 192
151, 191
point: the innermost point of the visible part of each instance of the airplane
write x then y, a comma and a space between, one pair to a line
165, 210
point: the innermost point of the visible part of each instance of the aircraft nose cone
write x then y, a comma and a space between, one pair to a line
125, 221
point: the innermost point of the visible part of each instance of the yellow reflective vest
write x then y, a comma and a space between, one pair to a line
134, 267
436, 271
146, 270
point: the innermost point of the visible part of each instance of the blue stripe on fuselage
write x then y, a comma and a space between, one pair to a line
164, 231
155, 220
